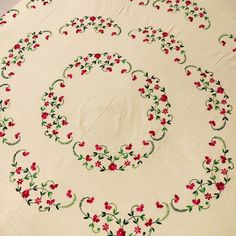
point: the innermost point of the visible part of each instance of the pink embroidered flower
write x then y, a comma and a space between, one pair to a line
224, 171
38, 200
137, 230
105, 227
98, 164
208, 196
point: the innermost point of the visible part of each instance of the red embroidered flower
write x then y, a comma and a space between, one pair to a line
97, 55
163, 121
69, 135
121, 232
69, 193
2, 134
141, 90
107, 206
82, 144
176, 198
188, 3
17, 135
212, 143
145, 143
220, 90
92, 18
55, 132
150, 117
149, 223
20, 181
33, 166
223, 159
163, 98
220, 186
17, 46
165, 34
159, 205
212, 123
90, 200
152, 132
190, 186
209, 107
140, 208
18, 170
207, 160
53, 186
25, 153
96, 219
64, 122
25, 193
88, 158
98, 147
127, 163
98, 164
112, 166
51, 202
129, 147
196, 201
44, 115
137, 157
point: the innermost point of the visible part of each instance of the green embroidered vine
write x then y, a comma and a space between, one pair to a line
98, 23
218, 100
39, 194
168, 42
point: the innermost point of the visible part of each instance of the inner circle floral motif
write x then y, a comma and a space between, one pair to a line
101, 158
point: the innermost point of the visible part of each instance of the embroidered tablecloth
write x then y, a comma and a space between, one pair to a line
116, 118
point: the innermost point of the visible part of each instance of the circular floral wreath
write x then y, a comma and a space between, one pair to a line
202, 191
159, 111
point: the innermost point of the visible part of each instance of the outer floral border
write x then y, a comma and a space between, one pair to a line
201, 189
